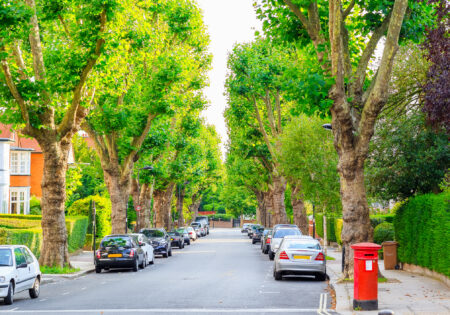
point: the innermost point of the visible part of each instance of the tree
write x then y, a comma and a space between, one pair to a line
166, 64
357, 95
49, 51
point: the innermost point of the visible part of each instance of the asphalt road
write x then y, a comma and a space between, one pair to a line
220, 273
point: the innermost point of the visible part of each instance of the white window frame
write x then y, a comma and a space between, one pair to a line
20, 162
4, 200
15, 198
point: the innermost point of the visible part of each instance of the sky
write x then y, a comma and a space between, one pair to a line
228, 22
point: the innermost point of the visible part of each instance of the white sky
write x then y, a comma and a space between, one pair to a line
228, 22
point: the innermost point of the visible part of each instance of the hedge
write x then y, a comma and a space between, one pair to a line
383, 232
338, 223
422, 229
380, 218
103, 213
331, 234
26, 230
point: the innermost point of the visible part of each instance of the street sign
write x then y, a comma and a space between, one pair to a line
138, 208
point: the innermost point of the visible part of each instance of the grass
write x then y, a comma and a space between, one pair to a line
58, 270
380, 280
330, 258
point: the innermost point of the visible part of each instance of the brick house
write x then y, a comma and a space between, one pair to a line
21, 171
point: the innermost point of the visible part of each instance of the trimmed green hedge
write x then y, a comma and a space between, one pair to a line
422, 229
103, 213
380, 218
338, 223
331, 234
26, 230
383, 232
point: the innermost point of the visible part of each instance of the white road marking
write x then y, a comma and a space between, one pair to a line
160, 310
65, 293
15, 308
323, 304
42, 300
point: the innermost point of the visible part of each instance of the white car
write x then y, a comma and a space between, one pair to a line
147, 247
19, 271
192, 233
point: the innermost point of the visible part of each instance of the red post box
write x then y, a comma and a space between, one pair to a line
365, 273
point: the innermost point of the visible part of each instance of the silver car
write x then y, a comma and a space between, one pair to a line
300, 255
278, 233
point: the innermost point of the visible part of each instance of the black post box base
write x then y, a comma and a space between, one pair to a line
367, 305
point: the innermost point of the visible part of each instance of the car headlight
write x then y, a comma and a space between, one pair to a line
2, 279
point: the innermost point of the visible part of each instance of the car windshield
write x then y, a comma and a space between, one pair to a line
172, 233
153, 233
302, 245
116, 241
182, 231
5, 257
284, 232
195, 224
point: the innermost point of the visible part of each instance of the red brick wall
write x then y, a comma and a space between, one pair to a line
221, 224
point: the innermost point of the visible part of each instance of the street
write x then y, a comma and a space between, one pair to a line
220, 273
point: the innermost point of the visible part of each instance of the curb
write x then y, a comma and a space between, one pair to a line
49, 278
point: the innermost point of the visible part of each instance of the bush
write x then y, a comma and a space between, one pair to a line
35, 206
76, 232
422, 229
380, 218
338, 223
331, 234
83, 207
383, 232
319, 224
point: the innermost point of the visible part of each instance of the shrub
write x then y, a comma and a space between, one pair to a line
319, 224
103, 213
380, 218
76, 232
331, 234
383, 232
35, 206
422, 228
338, 222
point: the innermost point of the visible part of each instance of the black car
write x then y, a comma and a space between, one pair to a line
119, 251
183, 231
265, 241
252, 229
160, 241
257, 234
176, 239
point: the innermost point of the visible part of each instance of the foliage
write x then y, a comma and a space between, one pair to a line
26, 230
380, 218
437, 87
407, 158
73, 182
58, 270
331, 233
338, 223
35, 206
103, 213
383, 232
422, 229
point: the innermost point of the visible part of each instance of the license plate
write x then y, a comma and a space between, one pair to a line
301, 257
114, 255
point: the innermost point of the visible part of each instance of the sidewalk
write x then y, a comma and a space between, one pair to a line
404, 293
83, 260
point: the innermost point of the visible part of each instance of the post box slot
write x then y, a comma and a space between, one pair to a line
371, 255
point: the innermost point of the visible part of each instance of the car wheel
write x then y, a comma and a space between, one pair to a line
9, 299
153, 260
170, 252
277, 275
165, 255
189, 242
34, 291
136, 265
98, 269
253, 242
271, 255
321, 276
142, 265
182, 244
145, 260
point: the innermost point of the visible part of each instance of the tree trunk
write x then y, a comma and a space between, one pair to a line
278, 188
269, 208
261, 210
119, 192
299, 211
355, 210
193, 208
142, 198
180, 200
162, 207
54, 251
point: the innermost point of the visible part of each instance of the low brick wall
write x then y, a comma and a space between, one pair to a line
221, 224
426, 272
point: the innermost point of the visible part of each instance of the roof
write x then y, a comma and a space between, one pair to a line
19, 142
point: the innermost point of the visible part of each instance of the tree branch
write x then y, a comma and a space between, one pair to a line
19, 61
71, 114
263, 130
278, 105
270, 113
348, 10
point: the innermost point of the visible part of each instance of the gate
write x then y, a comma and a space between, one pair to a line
236, 223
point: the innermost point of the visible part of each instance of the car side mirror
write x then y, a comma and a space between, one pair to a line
22, 265
141, 244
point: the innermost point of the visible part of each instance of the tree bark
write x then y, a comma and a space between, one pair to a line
180, 199
54, 251
261, 214
278, 188
269, 208
141, 197
162, 207
193, 208
119, 192
299, 211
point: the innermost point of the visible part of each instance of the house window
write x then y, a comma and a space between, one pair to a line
20, 200
20, 163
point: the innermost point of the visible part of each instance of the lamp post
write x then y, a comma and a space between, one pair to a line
138, 207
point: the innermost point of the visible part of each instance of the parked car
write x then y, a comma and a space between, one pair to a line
201, 231
252, 229
176, 239
257, 234
278, 234
205, 221
300, 255
119, 251
19, 271
265, 241
192, 233
184, 232
160, 241
244, 228
146, 245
